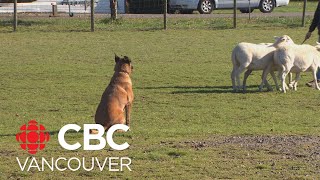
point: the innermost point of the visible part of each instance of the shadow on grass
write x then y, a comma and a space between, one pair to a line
125, 25
118, 21
69, 132
204, 89
50, 132
6, 23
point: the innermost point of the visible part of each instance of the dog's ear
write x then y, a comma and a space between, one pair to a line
116, 58
127, 59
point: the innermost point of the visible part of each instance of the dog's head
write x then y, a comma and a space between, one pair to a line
123, 64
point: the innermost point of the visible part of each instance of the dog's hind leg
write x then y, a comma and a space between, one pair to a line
128, 113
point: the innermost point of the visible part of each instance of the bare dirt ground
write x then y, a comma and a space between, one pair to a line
301, 148
283, 156
290, 146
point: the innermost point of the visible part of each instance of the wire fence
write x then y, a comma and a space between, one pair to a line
82, 6
86, 15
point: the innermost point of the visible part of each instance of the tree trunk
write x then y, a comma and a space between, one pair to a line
113, 6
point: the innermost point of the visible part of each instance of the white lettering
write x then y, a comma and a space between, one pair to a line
87, 137
92, 164
44, 161
56, 163
123, 164
25, 163
36, 164
110, 141
79, 164
110, 164
104, 163
62, 140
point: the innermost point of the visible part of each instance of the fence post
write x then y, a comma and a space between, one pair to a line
54, 10
114, 7
234, 13
165, 9
304, 13
15, 18
92, 15
249, 10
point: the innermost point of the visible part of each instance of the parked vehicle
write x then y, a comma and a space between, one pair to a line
207, 6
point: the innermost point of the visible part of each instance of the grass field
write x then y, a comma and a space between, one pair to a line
186, 122
294, 6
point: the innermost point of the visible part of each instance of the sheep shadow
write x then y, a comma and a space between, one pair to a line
204, 89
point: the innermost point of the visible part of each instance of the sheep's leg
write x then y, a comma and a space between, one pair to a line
237, 74
283, 74
268, 85
283, 81
315, 79
291, 84
246, 75
275, 81
290, 78
296, 81
233, 79
264, 78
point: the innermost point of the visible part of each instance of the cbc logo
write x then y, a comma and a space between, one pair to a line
32, 137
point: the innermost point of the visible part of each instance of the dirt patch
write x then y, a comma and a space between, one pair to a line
307, 147
6, 153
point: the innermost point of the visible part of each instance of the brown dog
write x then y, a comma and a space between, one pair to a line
117, 97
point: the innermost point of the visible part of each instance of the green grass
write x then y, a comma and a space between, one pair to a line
297, 6
27, 24
294, 6
182, 95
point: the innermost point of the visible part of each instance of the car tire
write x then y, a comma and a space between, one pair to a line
246, 10
267, 6
205, 6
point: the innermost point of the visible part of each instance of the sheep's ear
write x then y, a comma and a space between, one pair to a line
116, 58
276, 38
288, 39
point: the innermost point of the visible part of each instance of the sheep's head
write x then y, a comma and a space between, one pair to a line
282, 40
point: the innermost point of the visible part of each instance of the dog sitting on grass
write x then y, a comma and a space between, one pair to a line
117, 97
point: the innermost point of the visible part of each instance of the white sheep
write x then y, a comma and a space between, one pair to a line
290, 57
251, 57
